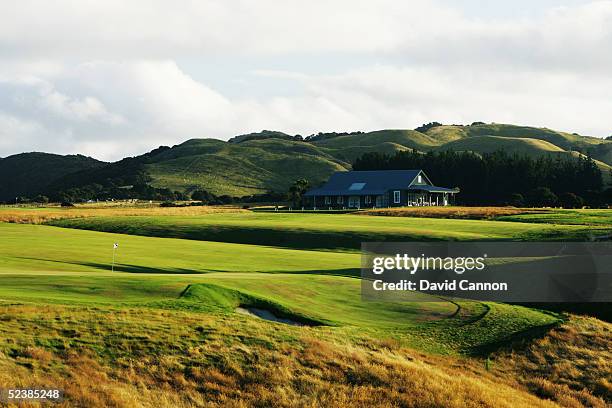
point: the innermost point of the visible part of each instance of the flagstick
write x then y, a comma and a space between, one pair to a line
113, 264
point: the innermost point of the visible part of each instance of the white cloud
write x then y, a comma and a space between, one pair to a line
108, 78
421, 30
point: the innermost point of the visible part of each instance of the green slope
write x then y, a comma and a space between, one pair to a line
489, 144
407, 138
28, 174
564, 140
254, 166
599, 149
269, 160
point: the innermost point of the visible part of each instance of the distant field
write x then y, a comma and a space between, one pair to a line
323, 231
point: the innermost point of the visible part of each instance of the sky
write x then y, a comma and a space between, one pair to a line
111, 79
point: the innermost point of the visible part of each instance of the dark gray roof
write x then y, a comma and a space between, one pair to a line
374, 182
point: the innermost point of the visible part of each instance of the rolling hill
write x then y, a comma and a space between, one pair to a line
271, 161
28, 174
253, 166
488, 144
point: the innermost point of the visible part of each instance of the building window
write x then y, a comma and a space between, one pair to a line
419, 179
327, 200
340, 199
396, 197
368, 199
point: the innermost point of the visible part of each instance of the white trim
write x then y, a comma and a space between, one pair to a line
421, 173
397, 196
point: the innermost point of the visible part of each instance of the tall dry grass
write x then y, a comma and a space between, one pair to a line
571, 365
162, 358
44, 214
476, 213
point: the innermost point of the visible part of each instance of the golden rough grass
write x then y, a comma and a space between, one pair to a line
449, 212
44, 214
163, 358
571, 365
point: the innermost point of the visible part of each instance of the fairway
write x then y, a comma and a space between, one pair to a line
167, 314
154, 272
595, 218
44, 248
324, 231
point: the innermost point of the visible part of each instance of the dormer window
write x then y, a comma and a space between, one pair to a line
420, 179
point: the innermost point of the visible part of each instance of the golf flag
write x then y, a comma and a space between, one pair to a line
115, 245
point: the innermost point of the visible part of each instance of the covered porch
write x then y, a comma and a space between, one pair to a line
426, 195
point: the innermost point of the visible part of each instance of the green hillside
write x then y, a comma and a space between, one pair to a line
254, 166
489, 144
27, 174
599, 149
272, 161
533, 142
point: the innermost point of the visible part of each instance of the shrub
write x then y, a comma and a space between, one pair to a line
541, 197
570, 200
517, 200
424, 128
202, 195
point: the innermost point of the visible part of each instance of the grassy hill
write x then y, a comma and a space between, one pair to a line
253, 166
489, 144
598, 148
27, 174
272, 161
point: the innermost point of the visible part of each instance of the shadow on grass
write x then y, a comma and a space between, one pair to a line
291, 238
304, 239
124, 267
599, 310
345, 272
517, 341
127, 268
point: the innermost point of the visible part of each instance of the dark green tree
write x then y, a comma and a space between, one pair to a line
542, 197
203, 196
297, 190
42, 199
570, 200
517, 200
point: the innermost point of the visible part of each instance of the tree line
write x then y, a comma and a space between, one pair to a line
500, 178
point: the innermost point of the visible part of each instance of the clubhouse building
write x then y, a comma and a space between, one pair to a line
378, 189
